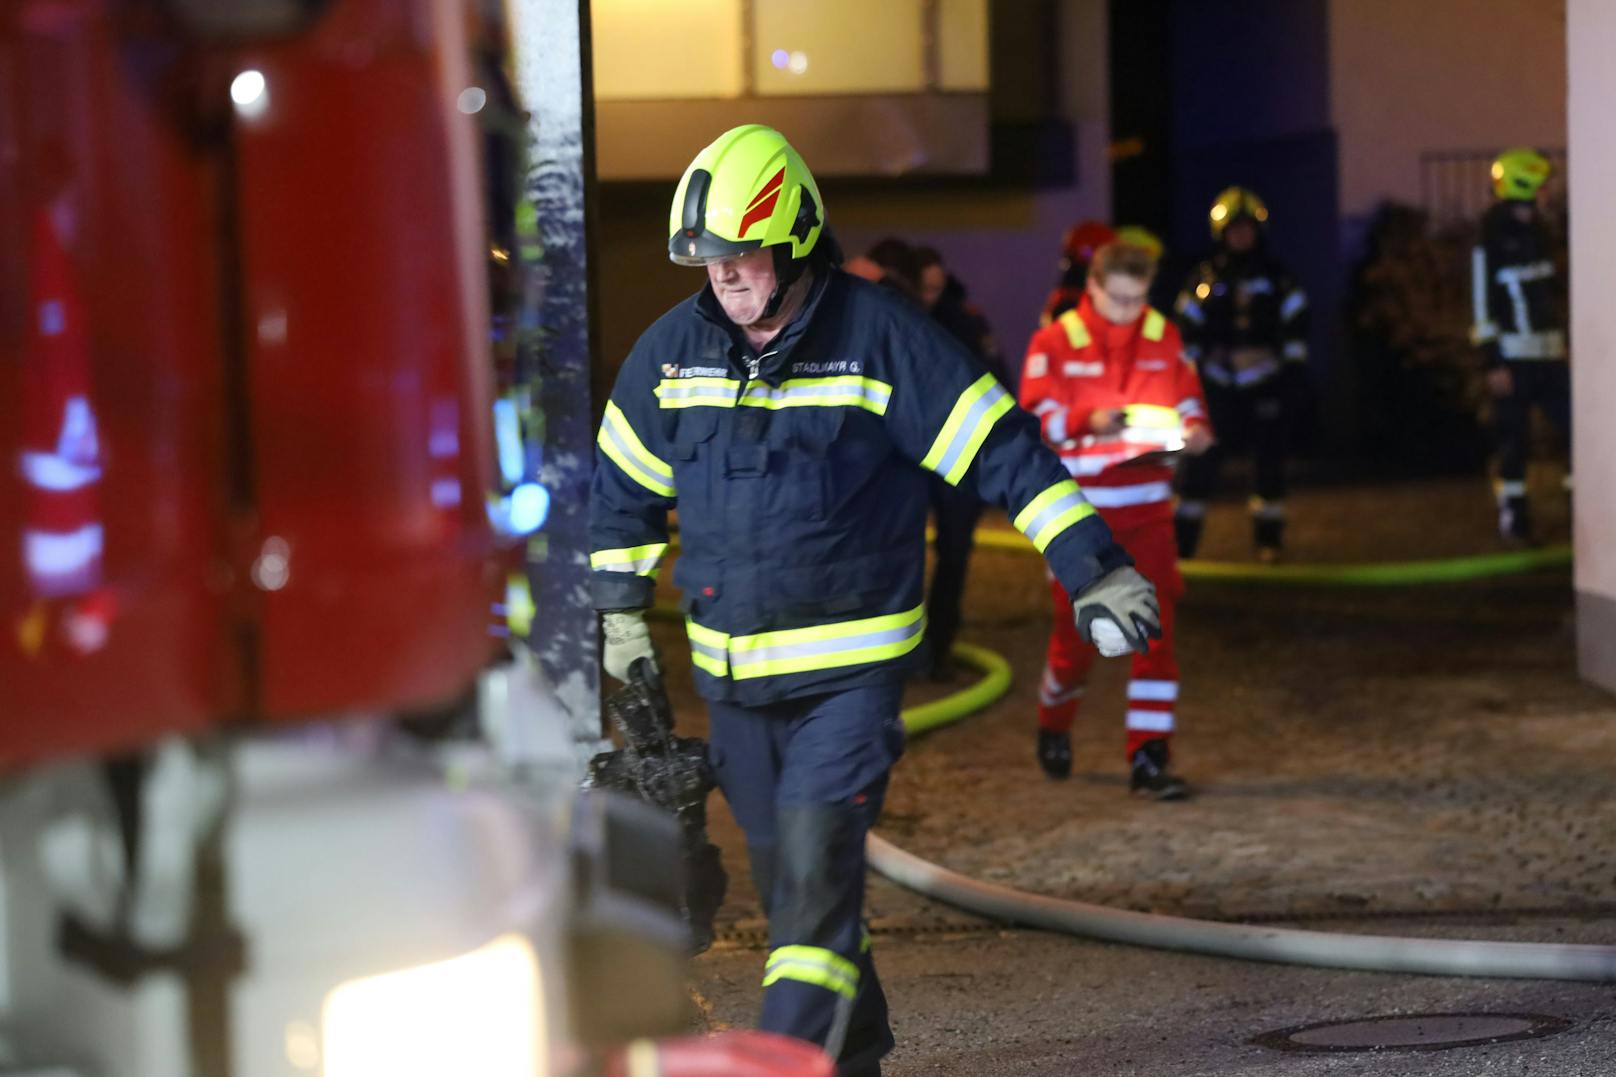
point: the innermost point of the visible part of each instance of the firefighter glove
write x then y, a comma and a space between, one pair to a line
1119, 613
627, 641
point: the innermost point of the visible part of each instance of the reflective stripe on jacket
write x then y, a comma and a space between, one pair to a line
1517, 294
1081, 364
802, 509
1234, 302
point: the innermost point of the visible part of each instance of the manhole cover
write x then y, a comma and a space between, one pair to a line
1414, 1032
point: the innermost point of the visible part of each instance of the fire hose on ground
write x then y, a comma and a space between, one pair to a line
1373, 953
1349, 574
1325, 574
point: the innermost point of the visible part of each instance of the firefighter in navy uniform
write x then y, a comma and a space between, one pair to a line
954, 511
1244, 319
791, 411
1519, 296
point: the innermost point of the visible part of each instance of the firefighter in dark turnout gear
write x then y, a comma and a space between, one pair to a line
1244, 319
954, 511
1519, 298
791, 412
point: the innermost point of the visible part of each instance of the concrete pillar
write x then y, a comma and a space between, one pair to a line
1591, 35
552, 73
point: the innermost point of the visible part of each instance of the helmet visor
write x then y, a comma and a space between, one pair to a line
704, 248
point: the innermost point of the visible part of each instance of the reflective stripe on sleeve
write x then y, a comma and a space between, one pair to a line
1484, 328
1294, 304
619, 442
1054, 417
1295, 350
968, 425
640, 560
812, 965
1254, 374
1051, 512
1121, 497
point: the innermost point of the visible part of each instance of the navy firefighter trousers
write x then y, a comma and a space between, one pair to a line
805, 779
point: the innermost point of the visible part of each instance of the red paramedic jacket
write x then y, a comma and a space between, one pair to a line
1081, 363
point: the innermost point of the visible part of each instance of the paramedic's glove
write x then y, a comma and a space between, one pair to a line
627, 641
1119, 613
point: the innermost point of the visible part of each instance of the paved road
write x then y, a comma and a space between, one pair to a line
1427, 754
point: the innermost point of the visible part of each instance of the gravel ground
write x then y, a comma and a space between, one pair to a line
1423, 753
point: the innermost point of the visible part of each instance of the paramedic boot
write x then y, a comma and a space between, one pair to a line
1268, 535
1151, 777
1055, 754
1187, 528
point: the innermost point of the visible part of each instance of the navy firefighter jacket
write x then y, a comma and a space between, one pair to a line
797, 476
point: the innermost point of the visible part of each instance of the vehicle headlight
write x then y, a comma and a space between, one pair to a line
480, 1013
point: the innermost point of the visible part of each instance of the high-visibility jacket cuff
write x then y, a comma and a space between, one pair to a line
1083, 553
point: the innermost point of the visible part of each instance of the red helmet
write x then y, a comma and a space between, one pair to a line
1083, 239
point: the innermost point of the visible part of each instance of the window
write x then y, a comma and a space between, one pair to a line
660, 49
647, 50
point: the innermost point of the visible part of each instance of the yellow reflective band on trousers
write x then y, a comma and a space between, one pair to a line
838, 392
805, 650
619, 442
640, 560
813, 965
1052, 512
1077, 334
967, 427
1155, 325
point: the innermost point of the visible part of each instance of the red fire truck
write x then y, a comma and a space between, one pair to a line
254, 503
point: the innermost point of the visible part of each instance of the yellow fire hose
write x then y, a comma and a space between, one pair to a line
1351, 574
1361, 574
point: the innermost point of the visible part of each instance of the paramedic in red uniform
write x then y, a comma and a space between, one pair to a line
1115, 397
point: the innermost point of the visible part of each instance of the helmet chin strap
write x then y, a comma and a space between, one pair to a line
787, 271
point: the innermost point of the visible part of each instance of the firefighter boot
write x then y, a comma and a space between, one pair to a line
1187, 528
1514, 520
1151, 777
1055, 754
1268, 535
